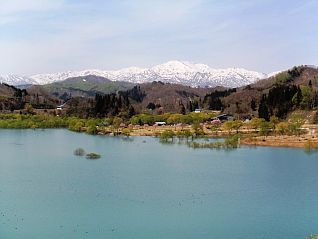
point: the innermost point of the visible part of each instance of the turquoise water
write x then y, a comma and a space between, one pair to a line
143, 189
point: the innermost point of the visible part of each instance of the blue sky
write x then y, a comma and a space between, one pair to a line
42, 36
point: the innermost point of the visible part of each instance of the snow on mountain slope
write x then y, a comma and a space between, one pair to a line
17, 80
178, 72
274, 73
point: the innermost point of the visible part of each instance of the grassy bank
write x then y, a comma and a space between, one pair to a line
291, 133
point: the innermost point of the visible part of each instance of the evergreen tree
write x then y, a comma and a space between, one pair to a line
253, 104
182, 109
263, 109
131, 111
151, 106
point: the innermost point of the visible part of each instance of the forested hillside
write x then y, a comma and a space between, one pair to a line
290, 90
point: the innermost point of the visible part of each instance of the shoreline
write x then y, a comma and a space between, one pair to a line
284, 141
248, 138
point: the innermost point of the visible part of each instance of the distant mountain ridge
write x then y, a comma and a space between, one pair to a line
17, 80
175, 72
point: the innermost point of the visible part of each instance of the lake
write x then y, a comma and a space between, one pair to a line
142, 189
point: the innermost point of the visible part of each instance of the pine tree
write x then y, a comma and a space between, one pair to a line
182, 109
263, 109
310, 84
253, 104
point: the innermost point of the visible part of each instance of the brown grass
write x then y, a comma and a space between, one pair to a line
282, 141
248, 138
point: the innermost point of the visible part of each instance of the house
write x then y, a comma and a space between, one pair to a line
159, 123
224, 117
60, 107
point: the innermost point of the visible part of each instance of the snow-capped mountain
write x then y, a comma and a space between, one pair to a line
171, 72
17, 80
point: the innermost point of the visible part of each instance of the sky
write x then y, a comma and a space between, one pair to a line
46, 36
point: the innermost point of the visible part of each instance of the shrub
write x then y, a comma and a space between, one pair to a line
232, 142
167, 134
282, 128
184, 134
229, 143
198, 129
79, 152
126, 132
93, 156
91, 129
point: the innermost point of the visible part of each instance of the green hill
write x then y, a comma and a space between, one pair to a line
86, 86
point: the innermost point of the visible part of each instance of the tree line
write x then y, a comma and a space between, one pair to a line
282, 99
